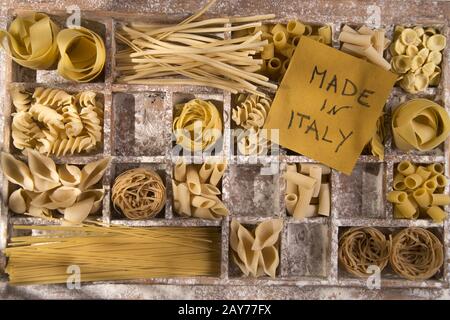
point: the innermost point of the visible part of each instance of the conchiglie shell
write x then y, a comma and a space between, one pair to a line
234, 227
70, 176
37, 212
42, 167
267, 233
436, 42
17, 172
17, 202
79, 211
93, 173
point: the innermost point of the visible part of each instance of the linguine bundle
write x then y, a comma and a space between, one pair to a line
192, 49
361, 247
112, 253
417, 254
139, 193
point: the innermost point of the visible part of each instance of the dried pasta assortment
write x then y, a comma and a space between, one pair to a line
195, 191
363, 247
45, 188
256, 253
283, 39
36, 42
307, 191
197, 125
413, 253
416, 56
52, 121
366, 43
419, 191
250, 114
159, 54
108, 253
139, 193
420, 124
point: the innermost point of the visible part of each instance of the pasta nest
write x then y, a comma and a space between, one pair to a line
139, 193
198, 125
251, 114
420, 124
417, 254
362, 247
52, 121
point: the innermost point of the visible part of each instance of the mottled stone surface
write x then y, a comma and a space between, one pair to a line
137, 130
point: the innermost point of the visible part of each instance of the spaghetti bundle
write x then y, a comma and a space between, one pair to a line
112, 253
139, 193
159, 54
361, 247
417, 254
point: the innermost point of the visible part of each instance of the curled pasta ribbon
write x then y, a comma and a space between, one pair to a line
31, 41
362, 247
139, 193
420, 124
417, 254
82, 53
47, 189
198, 125
256, 253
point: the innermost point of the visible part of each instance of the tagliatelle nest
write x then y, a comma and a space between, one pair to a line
417, 254
139, 193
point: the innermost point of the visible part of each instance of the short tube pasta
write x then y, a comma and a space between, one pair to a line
397, 196
300, 179
356, 39
273, 65
193, 180
436, 213
413, 181
291, 200
316, 173
406, 168
205, 171
295, 27
268, 51
280, 40
324, 200
422, 197
180, 170
306, 167
291, 187
217, 173
440, 199
424, 173
406, 208
399, 182
304, 199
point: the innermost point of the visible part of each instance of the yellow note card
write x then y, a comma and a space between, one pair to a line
328, 103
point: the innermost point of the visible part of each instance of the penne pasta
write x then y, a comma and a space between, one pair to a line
205, 171
217, 173
193, 180
184, 199
179, 170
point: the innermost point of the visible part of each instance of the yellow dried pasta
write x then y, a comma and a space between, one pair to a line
197, 125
